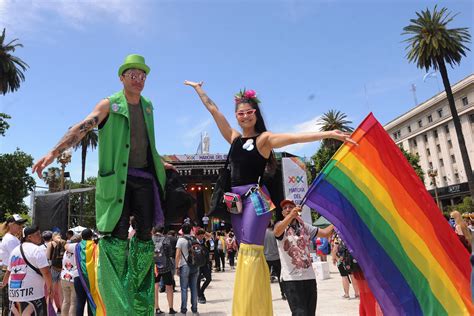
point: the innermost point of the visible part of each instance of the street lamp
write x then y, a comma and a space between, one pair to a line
433, 173
64, 159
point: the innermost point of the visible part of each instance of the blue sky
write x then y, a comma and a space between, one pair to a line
302, 57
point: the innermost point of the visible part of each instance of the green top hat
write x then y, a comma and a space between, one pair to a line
134, 61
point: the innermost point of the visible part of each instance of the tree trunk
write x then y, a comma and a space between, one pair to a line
83, 156
457, 126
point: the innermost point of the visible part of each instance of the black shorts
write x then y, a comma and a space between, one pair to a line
342, 269
36, 307
167, 278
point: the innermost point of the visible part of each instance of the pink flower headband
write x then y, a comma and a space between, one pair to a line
245, 96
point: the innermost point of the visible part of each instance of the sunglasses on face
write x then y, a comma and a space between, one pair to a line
245, 113
140, 77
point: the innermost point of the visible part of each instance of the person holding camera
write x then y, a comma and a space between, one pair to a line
294, 239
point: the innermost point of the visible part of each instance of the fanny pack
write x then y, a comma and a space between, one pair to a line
233, 202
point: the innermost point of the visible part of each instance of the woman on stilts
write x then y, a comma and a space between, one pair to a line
250, 156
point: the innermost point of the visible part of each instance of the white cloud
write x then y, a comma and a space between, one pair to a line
312, 125
29, 16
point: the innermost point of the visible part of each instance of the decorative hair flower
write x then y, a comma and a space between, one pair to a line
246, 96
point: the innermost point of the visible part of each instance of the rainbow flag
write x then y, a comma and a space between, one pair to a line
413, 261
87, 252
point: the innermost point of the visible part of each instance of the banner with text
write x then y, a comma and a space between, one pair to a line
296, 183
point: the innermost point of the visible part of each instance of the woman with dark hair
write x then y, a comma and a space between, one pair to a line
251, 155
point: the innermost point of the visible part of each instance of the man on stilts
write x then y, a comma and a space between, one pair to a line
130, 182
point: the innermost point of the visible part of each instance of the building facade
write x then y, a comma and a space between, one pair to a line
428, 130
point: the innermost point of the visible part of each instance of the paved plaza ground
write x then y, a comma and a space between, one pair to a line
219, 297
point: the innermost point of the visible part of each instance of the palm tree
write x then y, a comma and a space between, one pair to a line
11, 67
52, 177
89, 140
334, 120
432, 45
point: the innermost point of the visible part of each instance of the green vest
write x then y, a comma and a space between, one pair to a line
114, 149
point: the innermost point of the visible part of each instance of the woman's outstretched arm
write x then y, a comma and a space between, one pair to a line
224, 127
281, 140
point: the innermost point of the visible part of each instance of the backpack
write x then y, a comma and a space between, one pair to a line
56, 256
161, 254
197, 253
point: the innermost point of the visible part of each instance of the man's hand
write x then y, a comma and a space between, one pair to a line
295, 212
193, 84
43, 163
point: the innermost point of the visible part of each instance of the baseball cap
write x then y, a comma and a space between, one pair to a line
15, 218
284, 202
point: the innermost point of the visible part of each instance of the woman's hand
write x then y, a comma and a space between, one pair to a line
193, 84
342, 136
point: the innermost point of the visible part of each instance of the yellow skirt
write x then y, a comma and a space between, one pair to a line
252, 293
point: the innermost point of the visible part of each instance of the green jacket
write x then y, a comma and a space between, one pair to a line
114, 149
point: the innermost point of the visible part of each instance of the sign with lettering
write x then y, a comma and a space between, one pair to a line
295, 183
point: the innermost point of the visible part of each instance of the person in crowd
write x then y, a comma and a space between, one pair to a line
272, 256
188, 274
216, 257
221, 250
205, 270
46, 238
28, 275
81, 293
251, 152
130, 181
342, 258
55, 253
69, 234
163, 266
323, 249
462, 231
173, 241
12, 229
231, 247
294, 239
68, 273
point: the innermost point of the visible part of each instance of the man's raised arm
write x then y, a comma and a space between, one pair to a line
74, 135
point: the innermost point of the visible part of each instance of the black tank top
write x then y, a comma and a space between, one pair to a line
246, 162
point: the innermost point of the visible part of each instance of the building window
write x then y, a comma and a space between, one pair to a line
438, 147
440, 112
430, 118
420, 123
425, 137
450, 143
430, 164
471, 118
453, 159
414, 142
446, 129
409, 128
417, 154
441, 162
465, 101
428, 152
445, 179
456, 175
435, 133
397, 134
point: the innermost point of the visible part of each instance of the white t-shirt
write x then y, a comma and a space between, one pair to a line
293, 247
182, 246
69, 270
9, 242
24, 283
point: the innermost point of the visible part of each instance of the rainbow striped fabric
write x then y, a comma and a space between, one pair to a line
413, 261
87, 253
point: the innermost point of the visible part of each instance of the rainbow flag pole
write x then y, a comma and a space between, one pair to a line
412, 259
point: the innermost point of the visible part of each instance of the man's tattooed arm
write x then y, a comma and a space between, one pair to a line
74, 135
